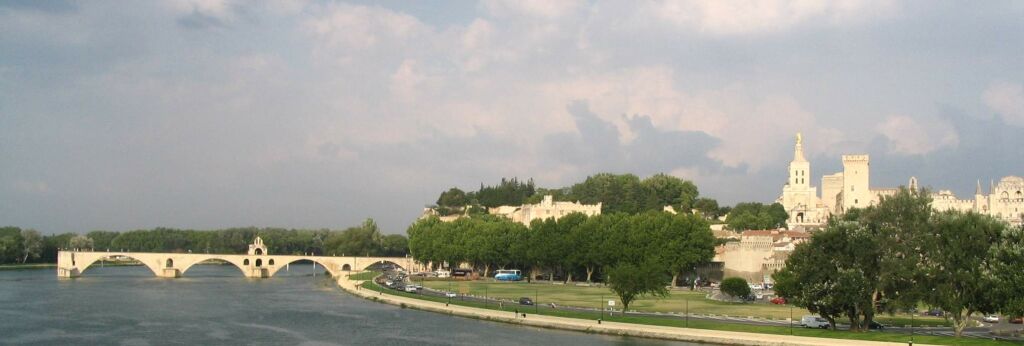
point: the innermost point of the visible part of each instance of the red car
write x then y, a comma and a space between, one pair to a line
779, 300
1017, 320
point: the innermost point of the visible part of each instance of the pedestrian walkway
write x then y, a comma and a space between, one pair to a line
612, 328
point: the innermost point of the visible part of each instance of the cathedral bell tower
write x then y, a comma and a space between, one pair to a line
799, 168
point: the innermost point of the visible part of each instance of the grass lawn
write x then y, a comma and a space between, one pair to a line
679, 301
516, 289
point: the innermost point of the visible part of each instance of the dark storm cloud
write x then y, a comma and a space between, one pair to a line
596, 146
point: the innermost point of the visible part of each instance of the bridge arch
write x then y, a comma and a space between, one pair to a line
381, 261
330, 267
234, 263
88, 262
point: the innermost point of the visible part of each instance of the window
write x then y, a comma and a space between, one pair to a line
245, 262
170, 263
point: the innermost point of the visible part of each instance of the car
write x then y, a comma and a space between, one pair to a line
525, 301
756, 287
450, 294
934, 312
991, 319
874, 325
811, 321
411, 289
1017, 320
778, 300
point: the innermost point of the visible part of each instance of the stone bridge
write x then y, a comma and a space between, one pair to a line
256, 264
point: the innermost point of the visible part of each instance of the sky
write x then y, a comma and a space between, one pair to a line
123, 115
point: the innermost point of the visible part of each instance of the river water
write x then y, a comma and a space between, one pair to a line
215, 305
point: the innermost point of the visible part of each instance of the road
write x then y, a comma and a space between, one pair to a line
974, 332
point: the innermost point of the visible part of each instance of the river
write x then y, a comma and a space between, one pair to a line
215, 305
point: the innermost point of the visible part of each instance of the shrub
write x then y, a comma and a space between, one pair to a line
736, 287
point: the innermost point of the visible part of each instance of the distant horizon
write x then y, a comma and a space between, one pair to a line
318, 114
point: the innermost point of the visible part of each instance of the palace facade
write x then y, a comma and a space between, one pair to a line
851, 188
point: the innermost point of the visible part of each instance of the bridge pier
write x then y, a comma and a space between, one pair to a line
170, 273
68, 273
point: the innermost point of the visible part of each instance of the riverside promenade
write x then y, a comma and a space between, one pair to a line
611, 328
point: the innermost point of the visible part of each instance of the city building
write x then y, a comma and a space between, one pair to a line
1004, 201
758, 253
547, 208
851, 188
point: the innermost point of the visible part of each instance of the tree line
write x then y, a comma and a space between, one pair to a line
658, 245
625, 193
901, 254
16, 245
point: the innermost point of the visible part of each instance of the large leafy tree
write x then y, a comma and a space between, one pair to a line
747, 216
32, 244
630, 281
827, 275
684, 241
897, 223
662, 189
957, 265
1007, 257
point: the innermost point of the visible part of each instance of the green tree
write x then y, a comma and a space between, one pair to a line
747, 216
662, 189
897, 223
631, 281
683, 242
32, 244
828, 275
736, 287
708, 207
81, 242
957, 266
1007, 257
10, 244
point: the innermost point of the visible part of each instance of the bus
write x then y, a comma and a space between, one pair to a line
508, 275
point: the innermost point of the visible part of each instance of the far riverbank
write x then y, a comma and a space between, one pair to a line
28, 266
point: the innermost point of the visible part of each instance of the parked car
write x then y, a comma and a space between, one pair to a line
874, 325
991, 319
756, 286
1017, 320
450, 294
411, 289
525, 301
934, 312
811, 321
778, 300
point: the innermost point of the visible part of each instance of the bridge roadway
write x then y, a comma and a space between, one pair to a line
72, 264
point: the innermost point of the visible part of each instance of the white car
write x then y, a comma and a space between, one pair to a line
450, 294
991, 319
756, 286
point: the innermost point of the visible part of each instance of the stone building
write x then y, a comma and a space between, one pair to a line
1004, 201
851, 188
759, 253
840, 191
546, 209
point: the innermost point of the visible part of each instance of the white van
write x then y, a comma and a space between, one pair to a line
443, 273
811, 321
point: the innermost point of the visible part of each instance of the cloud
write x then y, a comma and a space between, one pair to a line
736, 17
595, 146
909, 136
1007, 100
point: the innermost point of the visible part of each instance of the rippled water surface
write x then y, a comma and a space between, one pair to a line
215, 305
